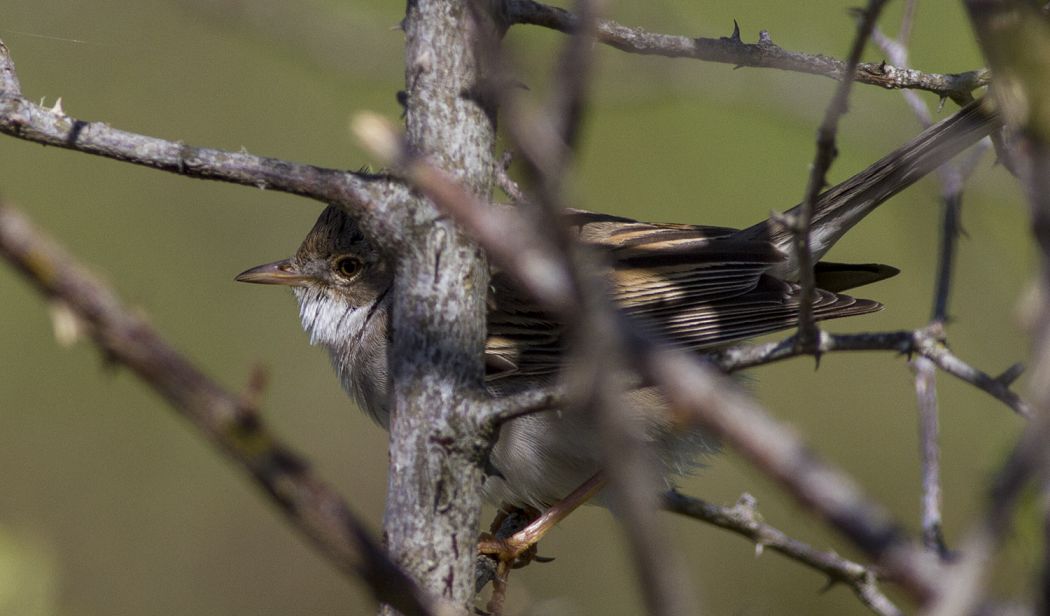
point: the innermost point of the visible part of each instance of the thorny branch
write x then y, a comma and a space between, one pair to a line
23, 119
744, 519
762, 54
927, 342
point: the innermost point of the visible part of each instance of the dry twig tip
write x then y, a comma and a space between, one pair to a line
377, 135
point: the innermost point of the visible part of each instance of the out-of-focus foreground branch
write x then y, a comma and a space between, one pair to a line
230, 422
1015, 38
698, 394
800, 223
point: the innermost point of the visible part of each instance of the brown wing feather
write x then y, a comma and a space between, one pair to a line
695, 287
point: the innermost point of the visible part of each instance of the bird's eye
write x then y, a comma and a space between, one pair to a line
349, 266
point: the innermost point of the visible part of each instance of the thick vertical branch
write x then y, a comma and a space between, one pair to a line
437, 342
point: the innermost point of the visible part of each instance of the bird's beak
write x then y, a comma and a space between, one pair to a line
279, 272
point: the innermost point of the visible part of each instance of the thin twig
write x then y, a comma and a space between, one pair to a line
925, 372
566, 102
532, 400
506, 183
762, 54
927, 342
1015, 41
907, 21
951, 204
952, 175
21, 118
897, 52
929, 455
744, 519
9, 85
313, 507
800, 224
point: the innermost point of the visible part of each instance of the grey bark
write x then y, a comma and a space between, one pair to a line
433, 503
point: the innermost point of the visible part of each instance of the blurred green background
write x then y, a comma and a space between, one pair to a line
110, 505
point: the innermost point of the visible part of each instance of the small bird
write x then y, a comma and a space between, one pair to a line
697, 287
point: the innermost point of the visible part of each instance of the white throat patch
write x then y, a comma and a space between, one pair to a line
330, 321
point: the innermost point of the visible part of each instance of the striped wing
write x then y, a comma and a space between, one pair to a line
694, 287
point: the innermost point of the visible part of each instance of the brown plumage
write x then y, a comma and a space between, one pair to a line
695, 287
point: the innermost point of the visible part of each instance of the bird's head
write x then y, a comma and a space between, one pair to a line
337, 275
